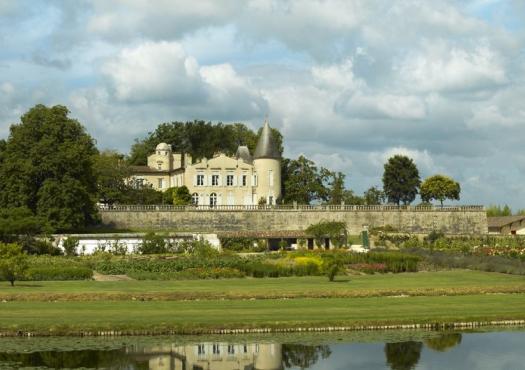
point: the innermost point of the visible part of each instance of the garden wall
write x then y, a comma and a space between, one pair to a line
450, 220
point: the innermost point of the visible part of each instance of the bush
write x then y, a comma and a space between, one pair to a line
152, 244
70, 246
59, 273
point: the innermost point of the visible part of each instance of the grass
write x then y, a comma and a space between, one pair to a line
63, 318
455, 282
62, 308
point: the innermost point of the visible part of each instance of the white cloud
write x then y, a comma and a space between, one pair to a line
153, 72
443, 67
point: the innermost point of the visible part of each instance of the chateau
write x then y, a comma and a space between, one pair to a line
222, 180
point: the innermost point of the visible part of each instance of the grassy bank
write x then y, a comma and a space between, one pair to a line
63, 318
454, 282
203, 306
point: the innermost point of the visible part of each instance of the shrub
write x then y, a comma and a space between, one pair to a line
70, 246
152, 244
59, 273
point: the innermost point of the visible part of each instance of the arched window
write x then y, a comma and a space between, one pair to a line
213, 199
195, 198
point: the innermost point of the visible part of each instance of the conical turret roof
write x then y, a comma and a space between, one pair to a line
266, 146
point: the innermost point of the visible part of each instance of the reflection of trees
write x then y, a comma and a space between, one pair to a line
69, 359
303, 356
444, 342
403, 355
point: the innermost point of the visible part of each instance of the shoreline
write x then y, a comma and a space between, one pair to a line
434, 326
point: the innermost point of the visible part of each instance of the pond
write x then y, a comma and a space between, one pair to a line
501, 349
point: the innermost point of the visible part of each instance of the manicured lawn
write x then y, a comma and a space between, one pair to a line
423, 283
193, 316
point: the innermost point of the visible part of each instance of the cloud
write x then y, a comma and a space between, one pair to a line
348, 82
442, 67
382, 105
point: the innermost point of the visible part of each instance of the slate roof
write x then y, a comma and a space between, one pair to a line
244, 153
266, 146
498, 222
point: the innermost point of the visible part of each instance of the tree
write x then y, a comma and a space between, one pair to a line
495, 211
198, 138
47, 166
336, 186
13, 262
303, 182
374, 196
439, 187
113, 173
140, 193
181, 196
20, 222
401, 180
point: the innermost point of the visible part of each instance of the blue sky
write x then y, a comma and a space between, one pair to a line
348, 83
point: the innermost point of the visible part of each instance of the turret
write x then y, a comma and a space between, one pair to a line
162, 159
267, 163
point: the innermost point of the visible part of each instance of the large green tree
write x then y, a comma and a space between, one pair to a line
47, 166
198, 138
439, 187
303, 182
374, 196
113, 174
401, 180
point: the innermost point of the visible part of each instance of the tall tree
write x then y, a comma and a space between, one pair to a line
439, 187
48, 167
113, 173
374, 196
401, 179
303, 182
198, 138
336, 185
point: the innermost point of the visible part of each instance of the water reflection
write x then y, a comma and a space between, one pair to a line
430, 350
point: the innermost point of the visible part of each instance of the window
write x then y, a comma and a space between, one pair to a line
195, 198
161, 183
213, 199
229, 180
270, 178
231, 349
270, 200
245, 348
201, 349
159, 166
216, 349
214, 180
254, 180
200, 180
244, 180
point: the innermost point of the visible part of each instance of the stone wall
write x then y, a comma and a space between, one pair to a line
452, 220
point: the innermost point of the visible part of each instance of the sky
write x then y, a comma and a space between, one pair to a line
348, 83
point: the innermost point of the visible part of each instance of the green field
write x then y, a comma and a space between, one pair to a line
195, 316
199, 305
422, 283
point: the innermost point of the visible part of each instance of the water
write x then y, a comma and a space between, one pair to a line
370, 350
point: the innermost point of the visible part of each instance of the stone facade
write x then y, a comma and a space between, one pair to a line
453, 220
221, 180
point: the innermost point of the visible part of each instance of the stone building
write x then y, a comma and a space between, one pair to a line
222, 180
507, 225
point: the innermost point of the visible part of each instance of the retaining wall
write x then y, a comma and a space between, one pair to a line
450, 220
